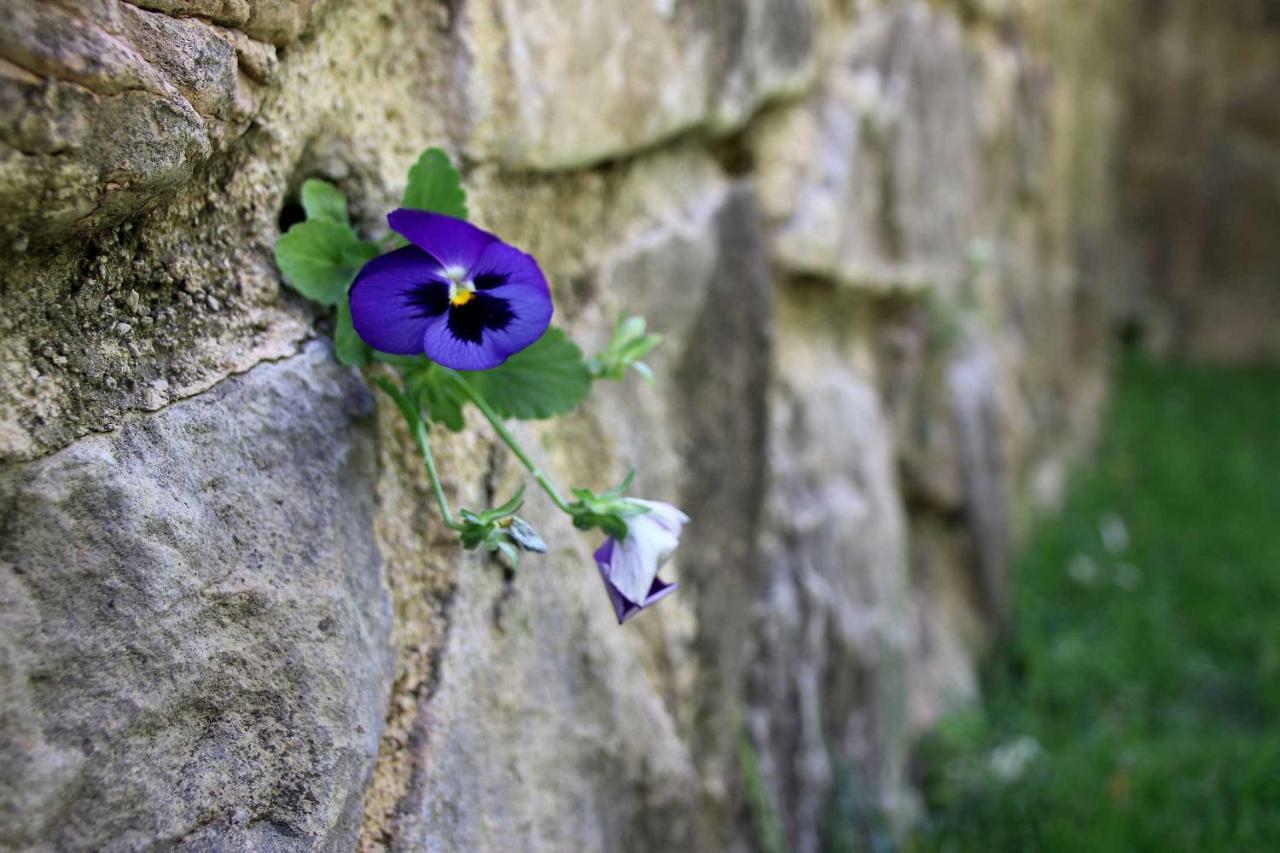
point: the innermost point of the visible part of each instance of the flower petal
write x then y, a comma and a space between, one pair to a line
395, 297
635, 560
624, 608
530, 317
443, 346
660, 590
481, 314
502, 265
452, 242
665, 514
510, 274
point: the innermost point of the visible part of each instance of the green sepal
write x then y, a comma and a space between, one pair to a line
607, 511
500, 529
513, 555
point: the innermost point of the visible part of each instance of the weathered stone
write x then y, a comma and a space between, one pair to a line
1199, 178
950, 625
195, 624
109, 106
520, 716
596, 80
547, 725
192, 274
827, 695
278, 21
895, 199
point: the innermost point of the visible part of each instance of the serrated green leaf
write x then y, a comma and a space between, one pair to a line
547, 379
436, 394
319, 258
348, 346
322, 200
436, 186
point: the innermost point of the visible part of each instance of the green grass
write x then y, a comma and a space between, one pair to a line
1141, 681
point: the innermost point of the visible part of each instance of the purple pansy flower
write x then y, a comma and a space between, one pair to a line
630, 567
458, 294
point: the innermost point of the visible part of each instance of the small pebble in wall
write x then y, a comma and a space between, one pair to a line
443, 315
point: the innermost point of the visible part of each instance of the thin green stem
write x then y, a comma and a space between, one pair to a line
420, 435
419, 428
500, 428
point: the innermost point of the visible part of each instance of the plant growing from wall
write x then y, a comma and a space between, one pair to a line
444, 315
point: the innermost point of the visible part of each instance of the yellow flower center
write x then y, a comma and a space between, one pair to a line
461, 289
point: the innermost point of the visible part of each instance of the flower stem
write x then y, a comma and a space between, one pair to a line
420, 435
500, 428
419, 429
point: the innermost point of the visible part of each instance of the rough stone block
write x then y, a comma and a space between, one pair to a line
891, 198
194, 625
108, 105
827, 690
560, 85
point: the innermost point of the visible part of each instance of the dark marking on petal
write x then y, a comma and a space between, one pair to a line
483, 313
490, 280
431, 298
656, 587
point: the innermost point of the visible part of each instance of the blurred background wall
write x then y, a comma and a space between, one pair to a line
887, 244
1201, 165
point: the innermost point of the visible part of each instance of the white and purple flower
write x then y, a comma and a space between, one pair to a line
629, 566
457, 294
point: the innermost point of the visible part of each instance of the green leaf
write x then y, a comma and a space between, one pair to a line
410, 361
548, 378
322, 200
319, 258
347, 344
435, 186
437, 394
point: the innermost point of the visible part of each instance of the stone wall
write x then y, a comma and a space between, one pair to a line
1201, 178
230, 618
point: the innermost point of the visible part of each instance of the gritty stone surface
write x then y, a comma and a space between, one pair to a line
892, 202
195, 626
521, 715
556, 88
857, 226
1199, 179
113, 105
189, 269
829, 652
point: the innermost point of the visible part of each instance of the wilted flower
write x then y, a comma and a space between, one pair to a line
457, 293
630, 566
